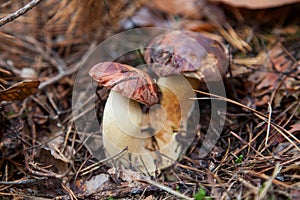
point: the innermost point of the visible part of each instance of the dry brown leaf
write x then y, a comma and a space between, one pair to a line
269, 80
46, 158
96, 183
126, 174
253, 4
178, 7
199, 26
146, 17
295, 127
278, 72
295, 194
263, 101
19, 91
126, 80
150, 197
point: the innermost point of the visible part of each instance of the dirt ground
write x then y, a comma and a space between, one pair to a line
43, 154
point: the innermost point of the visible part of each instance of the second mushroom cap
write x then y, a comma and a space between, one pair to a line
189, 53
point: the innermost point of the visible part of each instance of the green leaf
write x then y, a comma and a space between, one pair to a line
200, 195
239, 159
177, 188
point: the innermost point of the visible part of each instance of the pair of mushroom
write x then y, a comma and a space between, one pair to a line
155, 138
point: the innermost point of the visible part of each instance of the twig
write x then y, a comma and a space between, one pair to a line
39, 171
22, 181
268, 183
244, 142
228, 100
262, 116
81, 166
70, 192
252, 188
165, 188
97, 165
266, 177
63, 73
18, 13
269, 123
283, 132
48, 54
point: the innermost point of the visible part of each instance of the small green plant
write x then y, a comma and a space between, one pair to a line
177, 188
261, 188
239, 159
200, 195
10, 113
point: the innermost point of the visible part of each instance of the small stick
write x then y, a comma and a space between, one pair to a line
269, 123
165, 188
263, 117
63, 73
18, 13
266, 177
70, 191
22, 181
97, 165
269, 182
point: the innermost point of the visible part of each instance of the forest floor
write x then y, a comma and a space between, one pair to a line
43, 155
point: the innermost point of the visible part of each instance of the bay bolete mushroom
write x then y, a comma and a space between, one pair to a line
189, 53
202, 61
151, 137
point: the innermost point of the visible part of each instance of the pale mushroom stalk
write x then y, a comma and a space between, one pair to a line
123, 121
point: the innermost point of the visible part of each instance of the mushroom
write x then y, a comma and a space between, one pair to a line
201, 60
151, 137
188, 53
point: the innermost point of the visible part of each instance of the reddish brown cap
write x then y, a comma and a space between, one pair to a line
126, 80
189, 53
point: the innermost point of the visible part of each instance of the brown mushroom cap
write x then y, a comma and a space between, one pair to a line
189, 53
253, 4
126, 80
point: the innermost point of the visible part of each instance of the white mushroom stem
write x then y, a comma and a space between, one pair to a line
123, 123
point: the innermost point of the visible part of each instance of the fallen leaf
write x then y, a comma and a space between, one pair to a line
295, 194
263, 101
178, 7
126, 80
253, 4
46, 159
19, 91
56, 145
150, 197
279, 72
295, 127
146, 18
95, 183
268, 80
126, 175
